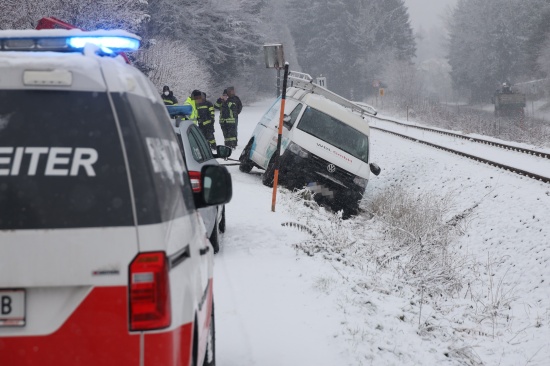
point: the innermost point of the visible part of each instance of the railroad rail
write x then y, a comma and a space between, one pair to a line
515, 170
540, 154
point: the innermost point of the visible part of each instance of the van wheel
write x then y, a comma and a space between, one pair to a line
269, 174
246, 164
221, 225
210, 357
215, 238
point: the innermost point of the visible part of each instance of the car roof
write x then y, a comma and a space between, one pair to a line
333, 109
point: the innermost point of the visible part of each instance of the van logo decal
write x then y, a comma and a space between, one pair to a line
323, 146
106, 272
331, 168
342, 156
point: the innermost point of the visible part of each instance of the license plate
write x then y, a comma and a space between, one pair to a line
12, 308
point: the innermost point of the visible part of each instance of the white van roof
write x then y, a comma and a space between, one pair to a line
331, 108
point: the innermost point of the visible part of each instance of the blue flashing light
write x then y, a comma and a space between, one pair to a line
115, 44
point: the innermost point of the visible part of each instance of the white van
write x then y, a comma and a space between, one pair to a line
325, 144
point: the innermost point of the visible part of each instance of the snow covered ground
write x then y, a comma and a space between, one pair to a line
277, 305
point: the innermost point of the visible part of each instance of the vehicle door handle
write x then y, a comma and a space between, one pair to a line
204, 250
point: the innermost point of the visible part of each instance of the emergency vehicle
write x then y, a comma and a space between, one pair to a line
104, 259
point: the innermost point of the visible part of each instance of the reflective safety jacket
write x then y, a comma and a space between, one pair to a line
228, 110
169, 99
194, 115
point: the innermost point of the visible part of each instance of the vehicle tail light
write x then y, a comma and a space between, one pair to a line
149, 292
195, 178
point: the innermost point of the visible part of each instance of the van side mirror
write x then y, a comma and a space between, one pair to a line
286, 121
375, 169
223, 151
217, 188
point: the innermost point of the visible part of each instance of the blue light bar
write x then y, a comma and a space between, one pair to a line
61, 40
116, 44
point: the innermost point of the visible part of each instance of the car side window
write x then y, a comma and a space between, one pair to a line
180, 144
294, 115
195, 147
203, 144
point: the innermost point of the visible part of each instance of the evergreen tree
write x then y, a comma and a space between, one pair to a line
535, 45
222, 34
487, 43
86, 14
351, 42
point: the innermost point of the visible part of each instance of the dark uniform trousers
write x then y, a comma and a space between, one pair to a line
228, 121
206, 119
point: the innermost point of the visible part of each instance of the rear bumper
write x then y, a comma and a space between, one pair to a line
97, 334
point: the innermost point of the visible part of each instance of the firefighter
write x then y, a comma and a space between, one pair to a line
230, 106
206, 118
168, 97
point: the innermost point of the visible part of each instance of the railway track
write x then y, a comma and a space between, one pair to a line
525, 173
481, 141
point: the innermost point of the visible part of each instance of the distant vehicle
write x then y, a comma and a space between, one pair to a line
104, 259
198, 154
508, 102
325, 145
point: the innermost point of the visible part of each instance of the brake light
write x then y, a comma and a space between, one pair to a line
149, 292
195, 178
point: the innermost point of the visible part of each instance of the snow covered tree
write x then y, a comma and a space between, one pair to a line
402, 79
220, 34
488, 43
351, 42
172, 63
537, 57
86, 14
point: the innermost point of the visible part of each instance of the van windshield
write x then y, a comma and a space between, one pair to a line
335, 132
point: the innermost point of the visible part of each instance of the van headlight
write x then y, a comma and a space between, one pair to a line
361, 182
295, 149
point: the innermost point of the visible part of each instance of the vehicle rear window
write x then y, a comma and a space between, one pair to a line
335, 132
61, 162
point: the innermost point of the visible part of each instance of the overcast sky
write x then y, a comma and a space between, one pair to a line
427, 13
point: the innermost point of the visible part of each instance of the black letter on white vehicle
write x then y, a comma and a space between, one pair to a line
6, 305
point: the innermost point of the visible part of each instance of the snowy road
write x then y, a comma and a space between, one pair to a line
268, 310
277, 306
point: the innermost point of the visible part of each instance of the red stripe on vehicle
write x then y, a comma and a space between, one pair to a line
95, 334
171, 348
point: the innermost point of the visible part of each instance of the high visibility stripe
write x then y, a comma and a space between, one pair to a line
230, 139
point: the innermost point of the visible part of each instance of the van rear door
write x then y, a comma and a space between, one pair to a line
67, 230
